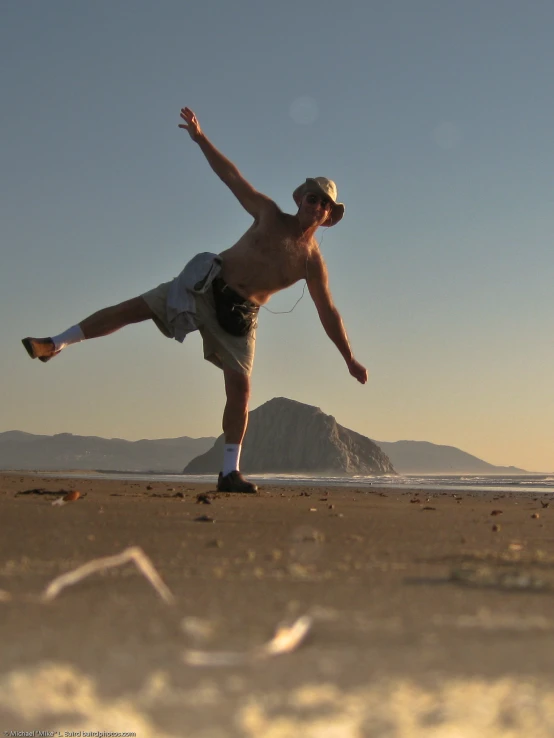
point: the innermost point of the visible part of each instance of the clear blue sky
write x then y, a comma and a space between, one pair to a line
434, 118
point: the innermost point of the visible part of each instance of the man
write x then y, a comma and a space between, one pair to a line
220, 295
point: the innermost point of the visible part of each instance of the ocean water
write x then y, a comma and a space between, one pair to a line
532, 483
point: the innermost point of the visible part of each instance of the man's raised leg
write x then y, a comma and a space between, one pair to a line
98, 324
235, 421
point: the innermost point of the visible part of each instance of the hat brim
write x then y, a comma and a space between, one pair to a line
311, 185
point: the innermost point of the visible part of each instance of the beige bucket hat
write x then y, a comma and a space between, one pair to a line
326, 187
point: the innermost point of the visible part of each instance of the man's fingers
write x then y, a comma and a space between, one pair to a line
360, 373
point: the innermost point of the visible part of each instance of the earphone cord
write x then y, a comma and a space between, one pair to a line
284, 312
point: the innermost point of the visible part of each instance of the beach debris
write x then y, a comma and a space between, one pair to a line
307, 534
69, 497
203, 499
415, 500
515, 546
204, 519
535, 515
149, 486
485, 576
133, 554
287, 638
496, 528
313, 509
428, 507
496, 512
545, 504
35, 491
197, 628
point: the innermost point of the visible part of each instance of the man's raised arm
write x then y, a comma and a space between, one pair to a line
318, 286
251, 200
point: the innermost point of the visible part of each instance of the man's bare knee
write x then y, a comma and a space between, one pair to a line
237, 386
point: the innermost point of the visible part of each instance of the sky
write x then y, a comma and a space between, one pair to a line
433, 117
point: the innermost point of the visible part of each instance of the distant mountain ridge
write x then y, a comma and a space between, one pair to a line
348, 450
422, 457
64, 451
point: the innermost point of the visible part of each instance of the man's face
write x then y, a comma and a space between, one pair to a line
317, 205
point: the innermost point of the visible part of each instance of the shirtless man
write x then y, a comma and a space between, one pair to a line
220, 295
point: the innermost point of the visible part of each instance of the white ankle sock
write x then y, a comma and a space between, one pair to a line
231, 457
71, 335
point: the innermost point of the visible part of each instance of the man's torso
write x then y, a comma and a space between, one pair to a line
269, 257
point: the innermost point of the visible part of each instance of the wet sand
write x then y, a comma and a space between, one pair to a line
431, 616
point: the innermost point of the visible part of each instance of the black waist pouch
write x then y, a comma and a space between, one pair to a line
234, 314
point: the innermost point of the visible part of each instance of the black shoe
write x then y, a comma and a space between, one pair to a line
42, 349
235, 482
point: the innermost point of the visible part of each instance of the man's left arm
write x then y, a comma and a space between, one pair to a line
318, 286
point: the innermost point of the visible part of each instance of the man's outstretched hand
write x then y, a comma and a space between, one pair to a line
357, 370
191, 123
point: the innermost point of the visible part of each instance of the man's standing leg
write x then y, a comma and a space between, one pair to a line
98, 324
235, 420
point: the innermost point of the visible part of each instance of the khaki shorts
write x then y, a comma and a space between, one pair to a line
220, 347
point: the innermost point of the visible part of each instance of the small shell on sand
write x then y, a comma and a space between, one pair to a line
69, 497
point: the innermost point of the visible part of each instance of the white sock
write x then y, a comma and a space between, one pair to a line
231, 457
71, 335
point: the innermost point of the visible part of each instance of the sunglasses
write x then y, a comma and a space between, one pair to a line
314, 199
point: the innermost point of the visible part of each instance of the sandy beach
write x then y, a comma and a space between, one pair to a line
427, 614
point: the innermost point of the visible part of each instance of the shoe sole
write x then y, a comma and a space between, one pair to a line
28, 347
